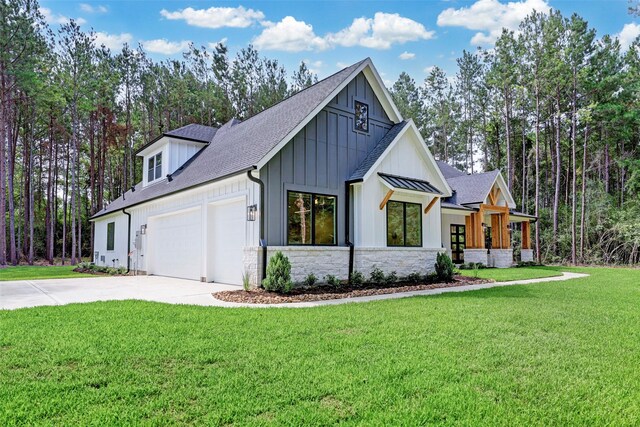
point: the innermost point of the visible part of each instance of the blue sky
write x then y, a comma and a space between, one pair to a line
399, 36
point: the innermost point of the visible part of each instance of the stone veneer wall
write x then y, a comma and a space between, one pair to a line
476, 256
526, 255
324, 260
501, 258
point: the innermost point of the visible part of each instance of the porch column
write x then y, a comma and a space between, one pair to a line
526, 253
475, 251
495, 232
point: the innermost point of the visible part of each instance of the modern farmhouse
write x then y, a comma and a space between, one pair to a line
332, 176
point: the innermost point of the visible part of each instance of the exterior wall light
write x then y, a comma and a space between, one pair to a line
252, 211
143, 229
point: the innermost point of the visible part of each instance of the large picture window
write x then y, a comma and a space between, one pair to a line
311, 219
404, 224
154, 167
111, 234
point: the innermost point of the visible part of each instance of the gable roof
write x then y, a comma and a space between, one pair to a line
194, 132
377, 151
449, 171
472, 188
237, 147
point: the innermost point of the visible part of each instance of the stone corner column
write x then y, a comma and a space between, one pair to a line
476, 256
526, 255
501, 258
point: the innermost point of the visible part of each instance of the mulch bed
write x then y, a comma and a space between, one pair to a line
95, 273
319, 293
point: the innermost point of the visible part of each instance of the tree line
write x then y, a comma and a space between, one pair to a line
552, 106
558, 111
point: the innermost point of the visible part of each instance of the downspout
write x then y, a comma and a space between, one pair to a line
263, 242
128, 239
347, 204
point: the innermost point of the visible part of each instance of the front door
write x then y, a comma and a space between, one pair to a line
457, 243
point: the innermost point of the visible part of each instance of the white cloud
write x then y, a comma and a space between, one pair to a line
342, 65
112, 41
85, 7
213, 45
380, 32
407, 55
429, 69
314, 66
628, 34
216, 17
56, 18
165, 47
289, 35
489, 17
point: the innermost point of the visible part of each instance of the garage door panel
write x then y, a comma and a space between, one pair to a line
176, 245
227, 236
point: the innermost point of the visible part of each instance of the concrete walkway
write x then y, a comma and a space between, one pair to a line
22, 294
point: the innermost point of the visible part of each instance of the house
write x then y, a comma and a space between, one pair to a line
332, 176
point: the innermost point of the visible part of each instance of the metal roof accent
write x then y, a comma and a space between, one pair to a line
406, 183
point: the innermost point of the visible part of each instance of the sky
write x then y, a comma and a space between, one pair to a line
412, 36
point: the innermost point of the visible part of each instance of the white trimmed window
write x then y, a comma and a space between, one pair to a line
154, 167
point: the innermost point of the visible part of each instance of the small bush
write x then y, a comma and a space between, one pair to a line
413, 278
357, 279
391, 278
377, 276
528, 264
444, 267
310, 280
278, 274
332, 280
246, 280
430, 278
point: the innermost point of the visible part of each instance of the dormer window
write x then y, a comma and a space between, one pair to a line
154, 167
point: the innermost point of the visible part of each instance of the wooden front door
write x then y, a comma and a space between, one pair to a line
457, 243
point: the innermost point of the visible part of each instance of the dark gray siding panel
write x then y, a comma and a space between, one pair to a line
322, 156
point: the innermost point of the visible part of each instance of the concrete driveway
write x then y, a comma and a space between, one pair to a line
32, 293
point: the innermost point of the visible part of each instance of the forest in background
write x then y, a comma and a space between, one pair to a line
552, 106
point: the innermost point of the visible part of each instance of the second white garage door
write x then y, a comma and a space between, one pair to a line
227, 236
175, 247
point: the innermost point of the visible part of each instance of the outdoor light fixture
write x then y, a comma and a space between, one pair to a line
143, 229
252, 210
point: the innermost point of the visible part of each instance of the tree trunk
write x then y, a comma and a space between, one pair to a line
574, 199
558, 174
584, 193
537, 165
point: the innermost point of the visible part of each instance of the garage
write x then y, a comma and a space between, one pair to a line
175, 245
226, 241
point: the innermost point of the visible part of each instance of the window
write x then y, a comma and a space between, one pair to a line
362, 116
457, 243
404, 224
111, 233
154, 167
311, 219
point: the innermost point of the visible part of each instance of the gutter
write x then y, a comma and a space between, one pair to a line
263, 242
128, 239
347, 193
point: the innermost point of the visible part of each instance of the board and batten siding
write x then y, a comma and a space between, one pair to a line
322, 156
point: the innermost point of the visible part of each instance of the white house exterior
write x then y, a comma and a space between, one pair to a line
333, 177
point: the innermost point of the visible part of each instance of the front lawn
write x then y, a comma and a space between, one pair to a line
508, 274
558, 353
35, 272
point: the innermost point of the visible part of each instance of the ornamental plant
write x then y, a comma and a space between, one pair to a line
444, 267
278, 274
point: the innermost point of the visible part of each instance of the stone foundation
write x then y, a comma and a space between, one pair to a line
476, 256
325, 260
403, 261
501, 258
526, 255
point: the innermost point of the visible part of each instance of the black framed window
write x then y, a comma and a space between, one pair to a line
362, 116
311, 219
154, 167
111, 234
458, 243
404, 224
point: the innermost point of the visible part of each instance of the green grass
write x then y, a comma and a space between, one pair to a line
558, 353
508, 274
34, 272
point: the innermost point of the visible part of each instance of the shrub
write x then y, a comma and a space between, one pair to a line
377, 276
246, 280
278, 274
391, 278
444, 267
310, 280
356, 279
413, 278
528, 264
332, 280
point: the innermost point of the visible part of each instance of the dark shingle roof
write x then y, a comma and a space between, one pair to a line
194, 132
239, 146
449, 205
409, 183
472, 188
449, 171
377, 151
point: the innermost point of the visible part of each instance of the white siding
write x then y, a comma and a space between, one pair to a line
407, 159
118, 256
179, 153
447, 220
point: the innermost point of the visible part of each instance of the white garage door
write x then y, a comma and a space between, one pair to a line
227, 231
175, 246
